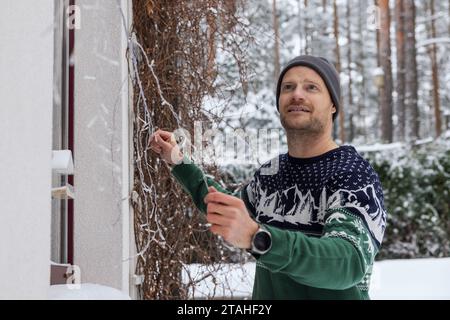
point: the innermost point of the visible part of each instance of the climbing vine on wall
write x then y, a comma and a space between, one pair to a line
172, 54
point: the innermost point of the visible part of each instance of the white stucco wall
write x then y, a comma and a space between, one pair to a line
26, 82
101, 152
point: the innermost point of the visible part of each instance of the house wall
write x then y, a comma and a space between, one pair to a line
101, 152
26, 85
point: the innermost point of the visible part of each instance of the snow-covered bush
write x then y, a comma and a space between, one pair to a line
416, 184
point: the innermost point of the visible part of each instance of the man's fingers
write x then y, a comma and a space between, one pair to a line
156, 148
165, 135
219, 230
153, 143
152, 139
215, 218
162, 135
222, 198
212, 189
221, 209
162, 143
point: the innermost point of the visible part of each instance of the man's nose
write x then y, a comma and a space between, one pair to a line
298, 94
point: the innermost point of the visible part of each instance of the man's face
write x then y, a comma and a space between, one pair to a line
305, 103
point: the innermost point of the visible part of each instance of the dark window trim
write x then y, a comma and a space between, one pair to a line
71, 89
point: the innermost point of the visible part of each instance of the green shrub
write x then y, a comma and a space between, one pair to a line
416, 184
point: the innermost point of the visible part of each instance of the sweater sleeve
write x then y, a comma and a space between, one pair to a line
343, 256
193, 181
334, 261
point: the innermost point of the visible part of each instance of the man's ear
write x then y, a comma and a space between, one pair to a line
334, 108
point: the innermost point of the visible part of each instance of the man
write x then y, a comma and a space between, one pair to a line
314, 225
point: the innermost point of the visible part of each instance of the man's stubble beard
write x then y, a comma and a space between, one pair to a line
312, 127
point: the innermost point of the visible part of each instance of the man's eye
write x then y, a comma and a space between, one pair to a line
287, 87
311, 87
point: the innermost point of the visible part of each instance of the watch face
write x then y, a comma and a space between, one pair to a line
262, 240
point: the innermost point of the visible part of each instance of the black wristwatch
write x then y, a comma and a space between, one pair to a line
261, 241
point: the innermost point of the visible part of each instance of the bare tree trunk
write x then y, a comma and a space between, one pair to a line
307, 31
349, 70
360, 64
385, 60
435, 72
447, 117
411, 82
277, 39
378, 40
400, 88
300, 24
338, 67
324, 29
377, 125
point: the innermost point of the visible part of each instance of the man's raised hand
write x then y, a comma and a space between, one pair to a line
164, 143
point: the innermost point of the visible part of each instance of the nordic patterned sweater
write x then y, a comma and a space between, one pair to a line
326, 217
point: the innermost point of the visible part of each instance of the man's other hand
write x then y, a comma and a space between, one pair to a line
230, 219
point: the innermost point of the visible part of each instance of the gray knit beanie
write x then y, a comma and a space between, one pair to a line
324, 68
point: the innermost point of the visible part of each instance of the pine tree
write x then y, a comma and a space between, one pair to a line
338, 67
411, 83
400, 81
277, 39
435, 72
349, 71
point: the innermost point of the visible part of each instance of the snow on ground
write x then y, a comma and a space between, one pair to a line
225, 280
409, 279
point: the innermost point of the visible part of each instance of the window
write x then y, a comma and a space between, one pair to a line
62, 209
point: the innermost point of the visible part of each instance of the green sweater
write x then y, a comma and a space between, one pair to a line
326, 217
